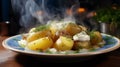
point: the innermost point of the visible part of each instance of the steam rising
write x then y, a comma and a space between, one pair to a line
36, 12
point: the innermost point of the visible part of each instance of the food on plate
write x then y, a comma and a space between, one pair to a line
63, 43
61, 37
36, 35
40, 44
96, 37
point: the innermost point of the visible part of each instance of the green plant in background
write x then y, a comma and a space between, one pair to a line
102, 15
109, 15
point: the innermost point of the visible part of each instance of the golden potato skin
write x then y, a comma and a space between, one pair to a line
72, 29
81, 44
63, 43
40, 44
96, 38
38, 35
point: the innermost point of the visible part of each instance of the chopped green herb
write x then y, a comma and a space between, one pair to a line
41, 27
91, 33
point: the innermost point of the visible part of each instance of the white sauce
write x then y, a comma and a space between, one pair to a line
82, 36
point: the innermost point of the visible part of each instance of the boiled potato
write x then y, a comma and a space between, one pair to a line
37, 35
81, 44
96, 37
40, 44
64, 43
53, 30
72, 29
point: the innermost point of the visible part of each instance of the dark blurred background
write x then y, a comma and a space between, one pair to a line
8, 13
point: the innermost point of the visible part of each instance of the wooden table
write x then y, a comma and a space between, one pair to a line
12, 59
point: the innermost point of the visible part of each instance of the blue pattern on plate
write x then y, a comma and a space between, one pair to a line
13, 42
110, 42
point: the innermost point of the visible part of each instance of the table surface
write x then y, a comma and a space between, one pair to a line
9, 58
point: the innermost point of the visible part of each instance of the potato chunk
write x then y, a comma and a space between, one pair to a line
40, 44
38, 35
96, 37
81, 44
72, 28
64, 43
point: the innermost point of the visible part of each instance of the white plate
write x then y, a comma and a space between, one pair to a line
112, 43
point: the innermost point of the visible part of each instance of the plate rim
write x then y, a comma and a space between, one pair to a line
116, 46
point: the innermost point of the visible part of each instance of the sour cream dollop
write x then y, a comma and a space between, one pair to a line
82, 36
